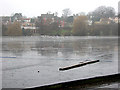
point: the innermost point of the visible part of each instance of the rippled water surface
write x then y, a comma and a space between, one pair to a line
35, 61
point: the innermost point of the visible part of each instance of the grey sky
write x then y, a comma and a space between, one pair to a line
31, 8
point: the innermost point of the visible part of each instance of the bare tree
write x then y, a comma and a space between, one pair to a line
66, 12
102, 12
49, 12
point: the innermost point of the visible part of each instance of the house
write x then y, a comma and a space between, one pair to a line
115, 19
48, 18
28, 25
27, 20
104, 21
16, 17
6, 20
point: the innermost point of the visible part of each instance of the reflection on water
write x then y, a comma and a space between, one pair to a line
50, 53
14, 47
79, 47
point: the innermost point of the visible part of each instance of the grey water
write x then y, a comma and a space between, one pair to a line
35, 60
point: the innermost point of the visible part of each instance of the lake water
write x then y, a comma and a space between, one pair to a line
35, 61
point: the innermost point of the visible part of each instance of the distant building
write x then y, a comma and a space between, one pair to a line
16, 17
27, 25
47, 19
116, 19
47, 16
103, 21
6, 19
27, 20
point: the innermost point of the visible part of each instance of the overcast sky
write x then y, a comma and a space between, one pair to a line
34, 8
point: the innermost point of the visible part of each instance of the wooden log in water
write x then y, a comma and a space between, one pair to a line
78, 65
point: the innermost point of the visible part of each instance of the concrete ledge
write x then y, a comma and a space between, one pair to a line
83, 83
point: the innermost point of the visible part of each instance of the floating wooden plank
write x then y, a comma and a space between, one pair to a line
78, 65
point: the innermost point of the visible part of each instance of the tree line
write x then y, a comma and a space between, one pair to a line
75, 25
